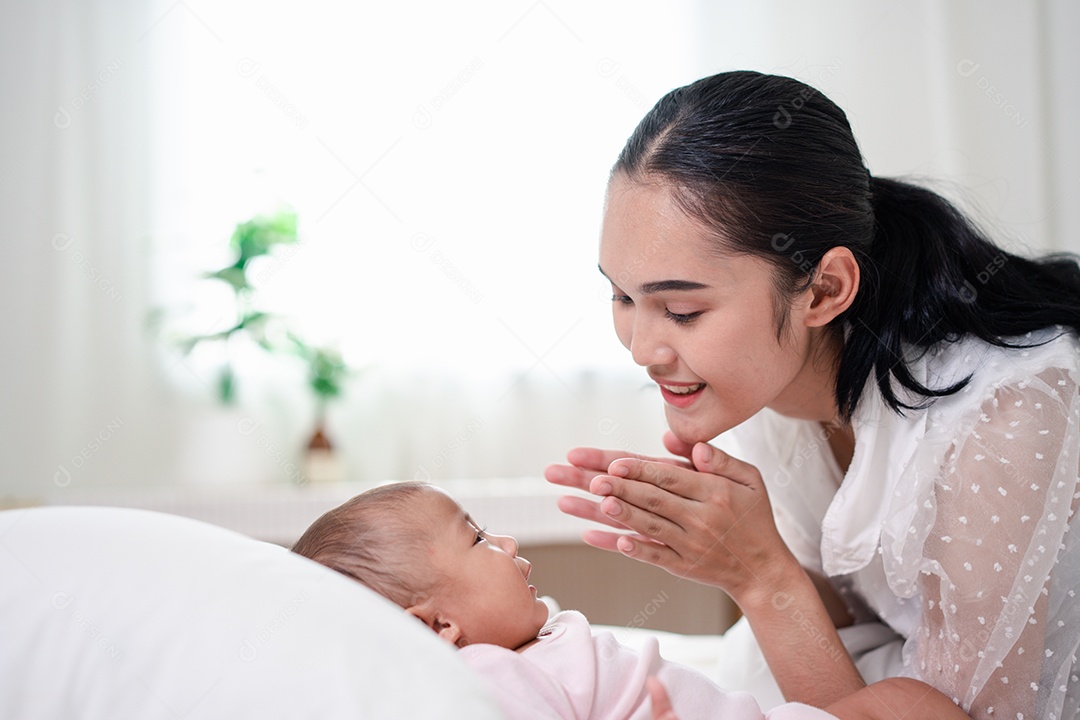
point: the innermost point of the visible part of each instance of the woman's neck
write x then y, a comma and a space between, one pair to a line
842, 443
811, 395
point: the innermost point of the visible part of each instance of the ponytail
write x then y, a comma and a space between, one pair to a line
934, 277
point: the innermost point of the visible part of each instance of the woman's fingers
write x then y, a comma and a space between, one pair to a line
619, 542
601, 539
639, 506
693, 484
595, 458
660, 500
586, 510
708, 459
586, 463
675, 446
708, 521
570, 475
712, 524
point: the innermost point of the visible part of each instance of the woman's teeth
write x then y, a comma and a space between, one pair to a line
683, 389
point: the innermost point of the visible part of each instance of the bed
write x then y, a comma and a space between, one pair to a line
125, 613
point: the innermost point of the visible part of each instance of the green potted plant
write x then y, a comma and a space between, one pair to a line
326, 372
326, 369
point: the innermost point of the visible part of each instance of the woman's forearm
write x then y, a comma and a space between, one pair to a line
798, 637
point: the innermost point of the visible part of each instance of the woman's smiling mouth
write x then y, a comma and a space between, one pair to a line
680, 395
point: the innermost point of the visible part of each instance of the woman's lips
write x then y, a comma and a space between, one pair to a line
681, 394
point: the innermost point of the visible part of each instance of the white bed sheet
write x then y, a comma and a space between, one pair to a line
118, 613
734, 661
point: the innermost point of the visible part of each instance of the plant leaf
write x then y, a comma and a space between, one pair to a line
256, 236
234, 276
227, 385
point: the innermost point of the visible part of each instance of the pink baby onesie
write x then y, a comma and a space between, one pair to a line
571, 673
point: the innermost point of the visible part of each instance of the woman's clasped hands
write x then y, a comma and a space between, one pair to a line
706, 518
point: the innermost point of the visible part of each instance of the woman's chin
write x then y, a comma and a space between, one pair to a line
689, 431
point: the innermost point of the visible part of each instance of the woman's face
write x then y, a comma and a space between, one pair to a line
701, 324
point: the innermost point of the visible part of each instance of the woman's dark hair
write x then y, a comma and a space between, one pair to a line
771, 167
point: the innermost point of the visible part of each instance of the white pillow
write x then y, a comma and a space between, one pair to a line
118, 613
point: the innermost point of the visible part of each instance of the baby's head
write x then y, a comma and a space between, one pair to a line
412, 543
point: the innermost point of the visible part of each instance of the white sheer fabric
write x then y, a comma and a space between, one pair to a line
952, 524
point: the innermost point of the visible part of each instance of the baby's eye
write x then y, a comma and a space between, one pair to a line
479, 536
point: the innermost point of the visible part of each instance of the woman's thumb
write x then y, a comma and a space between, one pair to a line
705, 456
708, 459
675, 446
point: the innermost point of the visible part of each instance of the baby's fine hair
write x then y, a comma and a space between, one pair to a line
376, 539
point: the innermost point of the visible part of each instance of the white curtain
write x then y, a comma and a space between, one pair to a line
976, 97
448, 164
80, 397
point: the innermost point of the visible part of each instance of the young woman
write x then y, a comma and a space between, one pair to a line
903, 394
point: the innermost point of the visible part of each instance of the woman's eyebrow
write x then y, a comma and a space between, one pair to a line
663, 285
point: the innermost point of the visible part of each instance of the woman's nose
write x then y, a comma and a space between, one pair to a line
647, 349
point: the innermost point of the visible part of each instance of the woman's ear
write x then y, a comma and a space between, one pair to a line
836, 283
446, 628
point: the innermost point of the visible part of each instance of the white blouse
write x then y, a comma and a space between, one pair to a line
952, 524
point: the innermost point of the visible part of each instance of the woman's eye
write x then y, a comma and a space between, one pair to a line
624, 299
682, 319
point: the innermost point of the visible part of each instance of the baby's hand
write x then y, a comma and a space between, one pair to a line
661, 703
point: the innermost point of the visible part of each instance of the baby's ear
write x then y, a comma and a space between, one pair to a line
450, 631
447, 629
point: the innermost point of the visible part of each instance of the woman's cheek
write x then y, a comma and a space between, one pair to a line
624, 325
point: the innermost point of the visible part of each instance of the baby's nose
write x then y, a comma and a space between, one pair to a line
508, 544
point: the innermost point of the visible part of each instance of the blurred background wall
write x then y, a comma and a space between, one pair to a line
447, 163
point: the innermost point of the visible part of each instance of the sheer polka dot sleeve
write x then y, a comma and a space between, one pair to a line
990, 555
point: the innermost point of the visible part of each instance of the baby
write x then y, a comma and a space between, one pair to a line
412, 543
